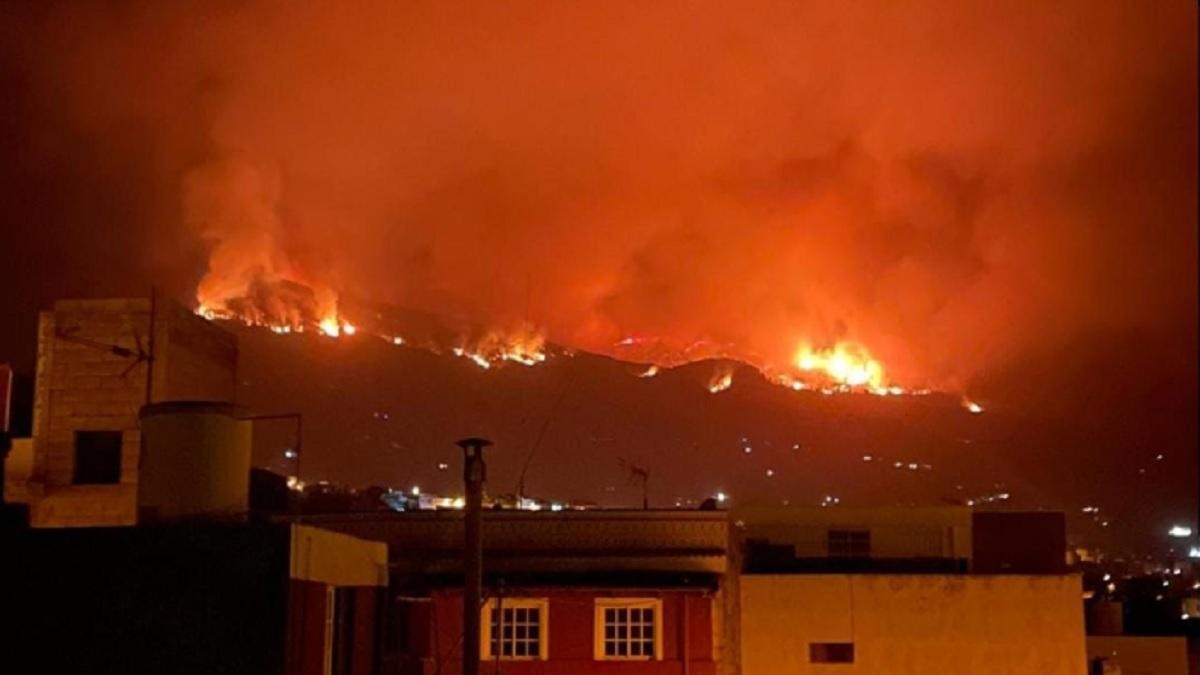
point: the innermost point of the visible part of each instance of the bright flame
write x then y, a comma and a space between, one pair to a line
720, 382
329, 326
524, 345
846, 363
972, 407
649, 372
349, 329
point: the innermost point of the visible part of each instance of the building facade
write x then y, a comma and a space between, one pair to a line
98, 363
896, 591
898, 624
571, 592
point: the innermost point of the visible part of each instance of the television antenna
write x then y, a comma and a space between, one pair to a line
139, 354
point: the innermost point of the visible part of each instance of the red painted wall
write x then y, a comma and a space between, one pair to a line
306, 629
571, 617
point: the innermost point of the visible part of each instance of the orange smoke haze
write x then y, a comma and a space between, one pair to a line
948, 186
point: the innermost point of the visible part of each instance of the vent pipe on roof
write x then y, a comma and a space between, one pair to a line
474, 476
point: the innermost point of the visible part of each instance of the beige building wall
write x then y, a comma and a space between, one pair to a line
914, 624
18, 467
86, 387
337, 559
907, 532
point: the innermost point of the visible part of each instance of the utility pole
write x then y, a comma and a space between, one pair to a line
474, 476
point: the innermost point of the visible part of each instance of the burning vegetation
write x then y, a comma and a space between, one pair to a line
289, 307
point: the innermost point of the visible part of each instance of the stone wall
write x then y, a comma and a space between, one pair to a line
83, 386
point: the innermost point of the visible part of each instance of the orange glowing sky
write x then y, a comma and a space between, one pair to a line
958, 188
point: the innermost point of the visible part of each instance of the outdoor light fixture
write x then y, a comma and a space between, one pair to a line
1180, 532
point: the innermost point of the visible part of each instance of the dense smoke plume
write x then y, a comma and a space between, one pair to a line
955, 186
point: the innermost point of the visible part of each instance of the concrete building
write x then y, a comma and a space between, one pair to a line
94, 373
894, 591
636, 592
814, 537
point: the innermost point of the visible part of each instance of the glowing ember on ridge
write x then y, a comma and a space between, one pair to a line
971, 406
721, 380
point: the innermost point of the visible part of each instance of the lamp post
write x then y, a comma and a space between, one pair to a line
474, 476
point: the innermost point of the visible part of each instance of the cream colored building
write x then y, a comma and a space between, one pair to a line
91, 382
894, 591
919, 624
936, 532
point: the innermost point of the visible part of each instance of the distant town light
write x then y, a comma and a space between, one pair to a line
1107, 577
721, 497
1111, 587
289, 454
416, 491
1194, 552
1180, 531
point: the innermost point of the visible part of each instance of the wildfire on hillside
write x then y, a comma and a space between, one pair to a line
845, 367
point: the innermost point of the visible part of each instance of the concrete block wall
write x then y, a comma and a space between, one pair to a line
85, 387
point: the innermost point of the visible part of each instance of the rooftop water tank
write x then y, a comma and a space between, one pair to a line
195, 461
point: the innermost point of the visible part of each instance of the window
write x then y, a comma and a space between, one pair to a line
628, 628
97, 457
850, 543
831, 652
515, 628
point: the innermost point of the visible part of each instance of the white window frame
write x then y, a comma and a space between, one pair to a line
653, 604
485, 622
